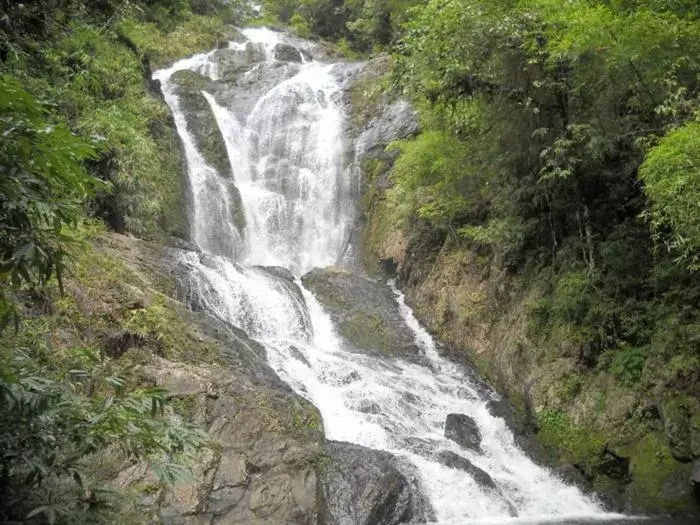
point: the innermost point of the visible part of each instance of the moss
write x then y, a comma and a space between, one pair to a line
366, 331
322, 463
575, 444
656, 475
305, 417
189, 80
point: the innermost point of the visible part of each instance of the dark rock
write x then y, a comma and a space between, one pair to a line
409, 398
201, 122
352, 377
463, 430
296, 353
570, 475
455, 461
365, 312
286, 53
614, 466
369, 407
360, 486
695, 479
482, 478
278, 271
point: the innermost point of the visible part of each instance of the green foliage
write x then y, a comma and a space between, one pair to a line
78, 119
671, 176
431, 179
358, 25
628, 365
42, 191
576, 445
50, 428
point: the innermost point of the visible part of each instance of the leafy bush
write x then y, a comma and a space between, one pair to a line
628, 364
671, 176
42, 191
50, 428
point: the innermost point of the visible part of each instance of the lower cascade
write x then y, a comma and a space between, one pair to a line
273, 190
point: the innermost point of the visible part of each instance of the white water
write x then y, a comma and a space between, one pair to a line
287, 160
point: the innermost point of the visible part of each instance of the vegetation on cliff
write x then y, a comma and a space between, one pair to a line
85, 136
556, 185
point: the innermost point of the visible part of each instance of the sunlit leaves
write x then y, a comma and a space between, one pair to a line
671, 176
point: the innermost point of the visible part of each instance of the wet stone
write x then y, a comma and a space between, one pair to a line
464, 431
369, 407
455, 461
286, 53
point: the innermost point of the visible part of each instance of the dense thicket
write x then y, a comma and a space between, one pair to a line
82, 137
564, 136
357, 25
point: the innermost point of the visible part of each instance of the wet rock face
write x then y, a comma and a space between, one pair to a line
482, 478
455, 461
395, 121
463, 430
365, 312
286, 53
695, 478
272, 464
200, 119
230, 63
359, 486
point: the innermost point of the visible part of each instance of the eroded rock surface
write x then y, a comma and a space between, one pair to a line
364, 311
463, 430
286, 53
364, 487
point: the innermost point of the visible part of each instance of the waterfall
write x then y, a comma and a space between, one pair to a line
284, 204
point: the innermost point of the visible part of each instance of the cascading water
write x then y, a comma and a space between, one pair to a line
283, 128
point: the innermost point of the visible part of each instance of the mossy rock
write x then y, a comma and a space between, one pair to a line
366, 331
201, 121
677, 414
190, 80
237, 211
658, 480
231, 63
365, 312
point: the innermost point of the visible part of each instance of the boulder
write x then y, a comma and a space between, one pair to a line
369, 407
359, 486
286, 53
365, 312
482, 478
463, 430
230, 62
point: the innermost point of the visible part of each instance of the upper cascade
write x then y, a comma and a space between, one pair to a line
268, 160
